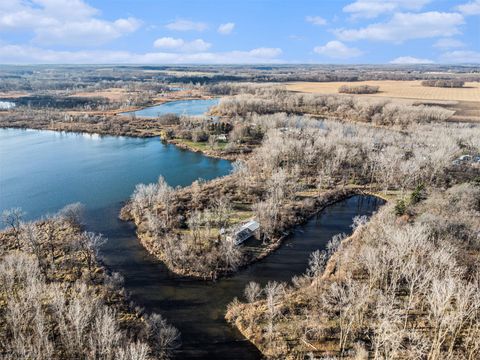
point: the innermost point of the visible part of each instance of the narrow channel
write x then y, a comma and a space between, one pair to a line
196, 307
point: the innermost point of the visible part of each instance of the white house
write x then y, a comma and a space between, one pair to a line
244, 232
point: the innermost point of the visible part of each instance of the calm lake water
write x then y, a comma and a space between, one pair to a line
41, 171
182, 107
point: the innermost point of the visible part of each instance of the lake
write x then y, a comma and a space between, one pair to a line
42, 171
181, 107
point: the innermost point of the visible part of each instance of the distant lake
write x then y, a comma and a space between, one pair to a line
181, 107
6, 105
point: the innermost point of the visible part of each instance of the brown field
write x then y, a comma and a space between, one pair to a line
12, 94
465, 101
114, 94
397, 89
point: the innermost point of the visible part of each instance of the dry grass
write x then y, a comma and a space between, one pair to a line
13, 94
114, 94
397, 89
464, 101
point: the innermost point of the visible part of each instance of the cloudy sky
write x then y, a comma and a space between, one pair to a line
239, 31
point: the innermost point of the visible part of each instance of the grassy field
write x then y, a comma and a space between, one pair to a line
113, 94
201, 146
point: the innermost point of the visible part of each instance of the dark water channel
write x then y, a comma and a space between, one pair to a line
197, 308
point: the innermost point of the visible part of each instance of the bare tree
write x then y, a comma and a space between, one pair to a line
89, 244
165, 337
252, 291
13, 219
73, 213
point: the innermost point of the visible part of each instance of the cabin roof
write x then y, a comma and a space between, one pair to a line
252, 225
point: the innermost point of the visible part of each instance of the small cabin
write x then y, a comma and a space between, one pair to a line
244, 232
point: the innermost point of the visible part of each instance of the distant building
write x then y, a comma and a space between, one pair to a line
244, 232
466, 159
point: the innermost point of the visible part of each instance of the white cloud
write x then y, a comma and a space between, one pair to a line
448, 43
67, 22
470, 8
337, 49
87, 32
316, 20
18, 54
373, 8
405, 26
168, 43
181, 45
406, 60
186, 25
266, 53
226, 29
461, 56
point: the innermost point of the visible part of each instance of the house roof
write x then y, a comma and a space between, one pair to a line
252, 225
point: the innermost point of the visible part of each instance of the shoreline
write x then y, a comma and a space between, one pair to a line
175, 142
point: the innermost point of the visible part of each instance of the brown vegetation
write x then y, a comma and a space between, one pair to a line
58, 302
444, 83
401, 287
284, 181
269, 100
397, 89
359, 89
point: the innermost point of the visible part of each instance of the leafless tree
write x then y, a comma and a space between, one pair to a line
252, 291
165, 337
13, 219
89, 244
73, 213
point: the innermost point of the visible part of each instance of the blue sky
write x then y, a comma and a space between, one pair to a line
240, 31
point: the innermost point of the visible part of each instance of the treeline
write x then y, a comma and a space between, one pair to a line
265, 100
359, 89
61, 102
444, 83
51, 119
402, 287
58, 302
73, 78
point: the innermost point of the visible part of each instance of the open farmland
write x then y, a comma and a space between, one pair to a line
396, 89
464, 101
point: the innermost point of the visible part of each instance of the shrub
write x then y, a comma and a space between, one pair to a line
169, 119
418, 194
199, 135
400, 208
358, 89
443, 83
